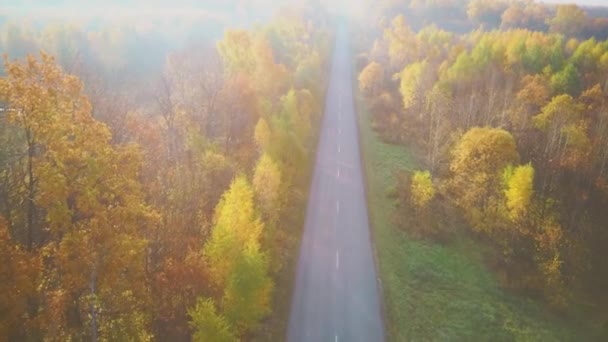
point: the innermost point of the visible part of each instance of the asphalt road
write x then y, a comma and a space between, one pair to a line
336, 295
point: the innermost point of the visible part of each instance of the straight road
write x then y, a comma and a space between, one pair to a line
336, 295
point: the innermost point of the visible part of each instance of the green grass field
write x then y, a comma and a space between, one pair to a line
442, 292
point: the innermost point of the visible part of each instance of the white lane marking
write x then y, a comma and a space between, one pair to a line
338, 176
336, 338
338, 148
337, 259
338, 206
339, 130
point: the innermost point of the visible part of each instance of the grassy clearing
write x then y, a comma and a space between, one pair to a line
442, 292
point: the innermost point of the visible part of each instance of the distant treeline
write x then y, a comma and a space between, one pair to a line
465, 15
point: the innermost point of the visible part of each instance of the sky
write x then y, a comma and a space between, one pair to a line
216, 3
216, 9
210, 7
580, 2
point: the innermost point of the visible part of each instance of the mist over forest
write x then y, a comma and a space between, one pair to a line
158, 163
154, 158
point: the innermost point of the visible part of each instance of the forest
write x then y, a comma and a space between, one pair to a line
152, 188
156, 165
509, 121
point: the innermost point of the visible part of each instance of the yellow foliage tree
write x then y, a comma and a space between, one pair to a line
478, 160
262, 134
411, 83
18, 271
422, 189
567, 140
371, 79
548, 242
246, 53
249, 288
267, 186
235, 49
520, 189
238, 266
208, 324
402, 43
568, 20
94, 206
236, 225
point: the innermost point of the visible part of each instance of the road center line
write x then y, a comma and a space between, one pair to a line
337, 259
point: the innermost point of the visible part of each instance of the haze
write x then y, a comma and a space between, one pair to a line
259, 170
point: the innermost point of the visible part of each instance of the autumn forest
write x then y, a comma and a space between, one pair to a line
508, 122
155, 171
154, 201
